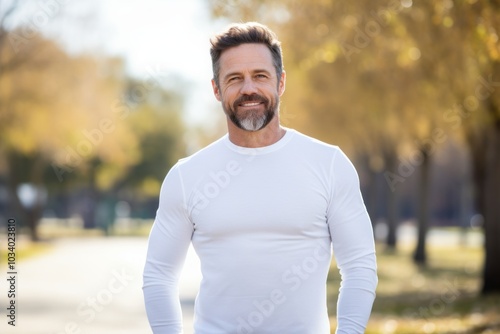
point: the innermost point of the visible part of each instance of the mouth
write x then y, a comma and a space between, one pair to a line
250, 104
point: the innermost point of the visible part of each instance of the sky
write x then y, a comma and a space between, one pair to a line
169, 37
172, 34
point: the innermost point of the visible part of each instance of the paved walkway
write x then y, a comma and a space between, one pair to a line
90, 285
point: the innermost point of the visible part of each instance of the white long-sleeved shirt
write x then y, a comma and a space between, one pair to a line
263, 222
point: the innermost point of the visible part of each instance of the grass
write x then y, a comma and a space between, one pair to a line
53, 229
442, 297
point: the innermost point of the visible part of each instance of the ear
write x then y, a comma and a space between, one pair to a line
216, 90
281, 85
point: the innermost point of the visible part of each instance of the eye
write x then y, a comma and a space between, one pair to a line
261, 76
232, 79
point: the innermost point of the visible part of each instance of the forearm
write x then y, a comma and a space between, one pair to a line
160, 283
163, 309
357, 294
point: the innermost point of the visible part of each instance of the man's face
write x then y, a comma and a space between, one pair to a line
248, 87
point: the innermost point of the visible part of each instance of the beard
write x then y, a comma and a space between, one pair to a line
252, 119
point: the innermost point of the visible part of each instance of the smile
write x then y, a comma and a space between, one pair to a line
250, 104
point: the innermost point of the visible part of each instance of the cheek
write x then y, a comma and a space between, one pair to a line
228, 95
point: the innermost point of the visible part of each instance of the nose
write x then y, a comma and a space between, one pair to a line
248, 87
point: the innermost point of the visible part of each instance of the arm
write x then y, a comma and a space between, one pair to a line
353, 247
167, 247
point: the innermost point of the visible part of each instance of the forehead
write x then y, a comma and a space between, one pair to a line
246, 57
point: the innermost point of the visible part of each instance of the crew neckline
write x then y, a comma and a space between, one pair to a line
260, 150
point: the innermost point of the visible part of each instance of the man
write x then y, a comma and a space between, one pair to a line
262, 206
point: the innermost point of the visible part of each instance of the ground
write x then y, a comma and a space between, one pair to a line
442, 297
92, 283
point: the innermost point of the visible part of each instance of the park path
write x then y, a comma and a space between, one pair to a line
88, 285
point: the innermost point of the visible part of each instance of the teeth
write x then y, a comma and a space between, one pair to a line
250, 104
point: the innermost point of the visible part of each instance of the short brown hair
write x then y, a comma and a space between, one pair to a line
245, 33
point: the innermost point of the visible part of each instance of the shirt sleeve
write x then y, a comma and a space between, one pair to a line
353, 248
167, 248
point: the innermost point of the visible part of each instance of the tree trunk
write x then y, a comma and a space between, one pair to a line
372, 197
420, 254
392, 207
478, 143
23, 169
33, 216
91, 198
491, 270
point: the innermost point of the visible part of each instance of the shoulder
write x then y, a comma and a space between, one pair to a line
330, 155
203, 155
313, 145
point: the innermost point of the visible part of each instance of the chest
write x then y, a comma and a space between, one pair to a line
264, 200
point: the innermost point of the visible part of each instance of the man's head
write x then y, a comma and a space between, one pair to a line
245, 33
248, 75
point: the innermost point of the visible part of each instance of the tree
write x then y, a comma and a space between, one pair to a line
483, 21
54, 112
157, 122
464, 38
153, 115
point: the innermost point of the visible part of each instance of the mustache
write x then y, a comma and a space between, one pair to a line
250, 98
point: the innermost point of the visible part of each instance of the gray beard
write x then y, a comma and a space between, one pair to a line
252, 120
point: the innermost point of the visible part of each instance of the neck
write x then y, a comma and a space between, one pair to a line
264, 137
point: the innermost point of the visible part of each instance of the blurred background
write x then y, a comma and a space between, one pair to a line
98, 99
